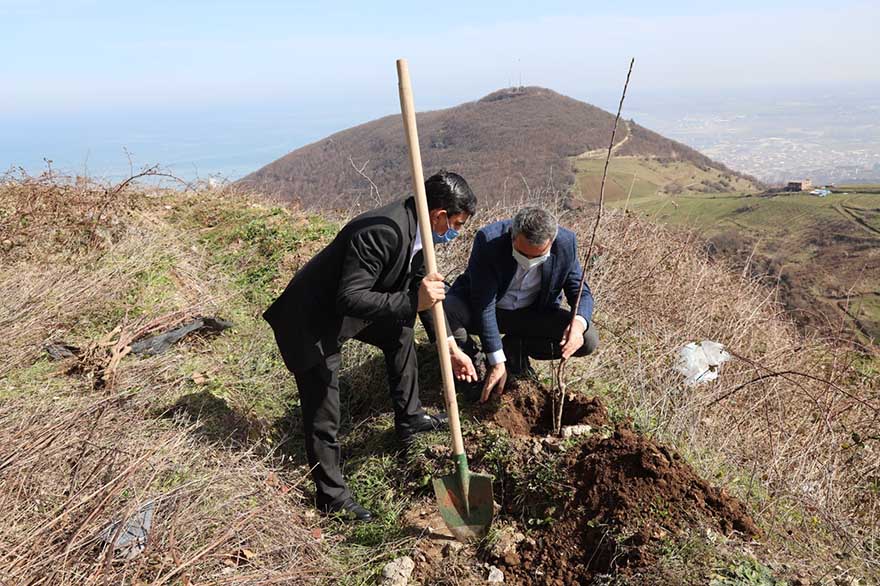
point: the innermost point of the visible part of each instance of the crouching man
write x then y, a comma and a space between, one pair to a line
368, 284
513, 285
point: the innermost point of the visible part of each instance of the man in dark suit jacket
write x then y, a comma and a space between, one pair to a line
513, 285
368, 284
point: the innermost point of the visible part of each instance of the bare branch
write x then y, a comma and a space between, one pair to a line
560, 371
373, 188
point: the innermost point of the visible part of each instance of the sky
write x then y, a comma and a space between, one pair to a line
207, 83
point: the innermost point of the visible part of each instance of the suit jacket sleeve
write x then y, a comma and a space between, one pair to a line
370, 251
484, 293
572, 283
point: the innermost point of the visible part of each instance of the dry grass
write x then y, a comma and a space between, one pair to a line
791, 426
71, 467
792, 414
88, 441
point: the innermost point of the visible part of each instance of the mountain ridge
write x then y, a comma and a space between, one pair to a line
505, 144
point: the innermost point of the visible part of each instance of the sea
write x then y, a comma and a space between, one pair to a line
211, 143
824, 134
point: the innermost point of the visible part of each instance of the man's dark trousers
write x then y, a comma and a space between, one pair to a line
528, 332
319, 397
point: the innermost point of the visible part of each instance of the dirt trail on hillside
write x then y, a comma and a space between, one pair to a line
601, 152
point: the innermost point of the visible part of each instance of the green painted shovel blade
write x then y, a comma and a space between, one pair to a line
465, 501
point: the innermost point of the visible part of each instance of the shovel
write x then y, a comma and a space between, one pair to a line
465, 499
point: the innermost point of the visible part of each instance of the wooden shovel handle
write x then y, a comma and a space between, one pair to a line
415, 159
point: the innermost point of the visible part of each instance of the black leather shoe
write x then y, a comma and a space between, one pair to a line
349, 510
420, 424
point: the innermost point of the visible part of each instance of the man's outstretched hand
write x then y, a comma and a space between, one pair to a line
572, 338
462, 365
495, 379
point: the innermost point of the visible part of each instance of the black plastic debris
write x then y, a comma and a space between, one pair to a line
60, 350
131, 540
152, 345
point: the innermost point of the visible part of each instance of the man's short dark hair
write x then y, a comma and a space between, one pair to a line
450, 192
536, 224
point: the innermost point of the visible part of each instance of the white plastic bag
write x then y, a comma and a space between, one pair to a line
699, 362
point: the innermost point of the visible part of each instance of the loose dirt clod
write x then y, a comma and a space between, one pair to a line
397, 572
496, 576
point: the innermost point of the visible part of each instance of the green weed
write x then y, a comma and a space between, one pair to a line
745, 572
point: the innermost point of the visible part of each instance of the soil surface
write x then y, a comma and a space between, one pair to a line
629, 494
526, 410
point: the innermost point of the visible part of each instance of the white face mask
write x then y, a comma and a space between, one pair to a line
529, 263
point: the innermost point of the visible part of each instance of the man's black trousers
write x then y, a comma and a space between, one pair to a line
319, 398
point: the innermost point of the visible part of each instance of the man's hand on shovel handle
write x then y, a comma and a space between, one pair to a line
495, 379
431, 291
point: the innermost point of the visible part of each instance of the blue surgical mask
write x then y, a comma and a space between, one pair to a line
527, 263
448, 236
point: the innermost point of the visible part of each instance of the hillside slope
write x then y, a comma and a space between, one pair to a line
823, 252
210, 428
511, 143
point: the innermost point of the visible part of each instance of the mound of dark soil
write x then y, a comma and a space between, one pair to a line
629, 476
629, 494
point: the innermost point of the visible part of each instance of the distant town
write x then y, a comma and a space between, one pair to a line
829, 140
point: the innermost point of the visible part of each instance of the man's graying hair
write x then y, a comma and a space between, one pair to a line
536, 224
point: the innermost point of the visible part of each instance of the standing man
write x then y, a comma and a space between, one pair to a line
513, 285
368, 284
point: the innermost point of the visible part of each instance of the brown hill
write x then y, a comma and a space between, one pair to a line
507, 145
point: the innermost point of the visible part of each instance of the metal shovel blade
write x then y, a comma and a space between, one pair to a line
465, 501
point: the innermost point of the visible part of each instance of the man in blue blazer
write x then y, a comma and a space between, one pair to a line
513, 285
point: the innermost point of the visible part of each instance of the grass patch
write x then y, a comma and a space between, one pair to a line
642, 177
376, 485
253, 244
39, 378
861, 188
745, 572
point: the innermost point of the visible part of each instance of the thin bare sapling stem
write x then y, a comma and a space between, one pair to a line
587, 266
